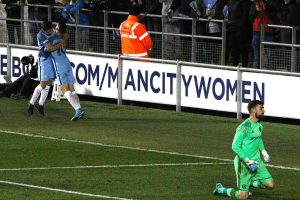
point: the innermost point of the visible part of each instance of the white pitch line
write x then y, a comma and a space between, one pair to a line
115, 166
115, 146
137, 148
61, 190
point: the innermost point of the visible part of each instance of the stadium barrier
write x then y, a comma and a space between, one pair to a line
196, 47
277, 55
178, 83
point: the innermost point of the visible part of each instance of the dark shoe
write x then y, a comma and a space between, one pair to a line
30, 109
40, 109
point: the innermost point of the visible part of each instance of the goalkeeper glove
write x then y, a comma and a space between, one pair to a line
266, 156
252, 165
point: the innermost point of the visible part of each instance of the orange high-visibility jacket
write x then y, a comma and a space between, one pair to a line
135, 40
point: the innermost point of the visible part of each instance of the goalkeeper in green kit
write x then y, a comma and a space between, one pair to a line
248, 146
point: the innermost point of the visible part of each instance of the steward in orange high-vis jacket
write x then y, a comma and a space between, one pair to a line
135, 40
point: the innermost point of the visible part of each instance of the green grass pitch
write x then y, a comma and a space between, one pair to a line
129, 152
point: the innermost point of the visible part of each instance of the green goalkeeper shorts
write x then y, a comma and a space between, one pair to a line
245, 176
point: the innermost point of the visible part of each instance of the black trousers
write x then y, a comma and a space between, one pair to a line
238, 47
11, 27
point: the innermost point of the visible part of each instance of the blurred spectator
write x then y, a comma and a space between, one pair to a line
33, 28
171, 44
135, 40
69, 15
213, 9
153, 7
118, 5
202, 50
42, 12
185, 7
97, 19
262, 12
289, 16
13, 10
36, 13
153, 23
96, 12
240, 31
136, 2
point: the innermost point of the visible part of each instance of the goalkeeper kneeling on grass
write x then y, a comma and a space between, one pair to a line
248, 146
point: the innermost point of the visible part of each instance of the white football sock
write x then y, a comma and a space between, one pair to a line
44, 94
36, 94
69, 95
76, 100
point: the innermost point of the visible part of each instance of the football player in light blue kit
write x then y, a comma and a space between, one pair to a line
64, 73
46, 73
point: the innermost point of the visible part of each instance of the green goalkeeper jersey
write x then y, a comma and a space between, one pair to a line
247, 142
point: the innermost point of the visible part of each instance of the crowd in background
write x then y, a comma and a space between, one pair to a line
245, 16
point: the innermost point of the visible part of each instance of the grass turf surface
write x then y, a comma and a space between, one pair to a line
129, 126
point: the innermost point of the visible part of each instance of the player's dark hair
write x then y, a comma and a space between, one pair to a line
62, 27
253, 104
46, 25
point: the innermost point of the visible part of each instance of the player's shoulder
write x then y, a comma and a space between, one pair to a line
245, 126
41, 36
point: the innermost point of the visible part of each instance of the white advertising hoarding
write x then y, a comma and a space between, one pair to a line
280, 98
95, 76
205, 88
3, 64
149, 82
209, 88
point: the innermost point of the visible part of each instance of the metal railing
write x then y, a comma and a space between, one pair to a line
192, 47
105, 39
279, 55
239, 71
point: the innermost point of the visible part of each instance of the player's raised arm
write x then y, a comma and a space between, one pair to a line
49, 47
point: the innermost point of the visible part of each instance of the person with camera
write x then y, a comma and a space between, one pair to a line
46, 73
64, 73
24, 85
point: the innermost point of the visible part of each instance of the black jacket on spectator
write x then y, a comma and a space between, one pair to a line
183, 5
42, 13
238, 11
240, 31
12, 10
219, 9
118, 5
289, 16
152, 6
